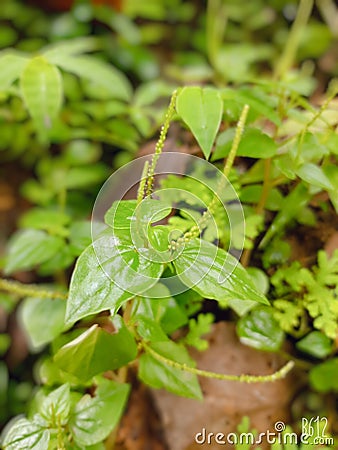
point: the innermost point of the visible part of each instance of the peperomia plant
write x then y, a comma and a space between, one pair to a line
151, 274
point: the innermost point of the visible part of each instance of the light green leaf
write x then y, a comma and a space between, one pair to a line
201, 109
28, 248
161, 375
96, 351
150, 330
315, 344
324, 377
214, 273
41, 86
55, 406
26, 435
36, 311
260, 330
11, 67
45, 219
71, 47
94, 418
314, 175
98, 72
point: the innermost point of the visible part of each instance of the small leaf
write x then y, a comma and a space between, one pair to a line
41, 86
94, 418
55, 407
11, 67
201, 109
36, 311
324, 377
28, 248
96, 351
214, 273
314, 175
98, 72
315, 344
260, 330
150, 330
26, 435
161, 375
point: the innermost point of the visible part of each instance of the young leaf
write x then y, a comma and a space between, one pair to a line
159, 375
96, 351
201, 109
94, 418
315, 344
214, 273
260, 330
11, 67
37, 311
55, 407
41, 87
26, 435
197, 328
98, 72
28, 248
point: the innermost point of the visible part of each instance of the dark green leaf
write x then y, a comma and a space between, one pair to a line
324, 377
96, 351
260, 330
315, 344
49, 312
161, 375
214, 273
93, 419
28, 248
26, 435
41, 86
201, 109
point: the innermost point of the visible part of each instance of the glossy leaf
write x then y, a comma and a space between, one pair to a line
214, 273
97, 72
55, 407
26, 435
96, 351
315, 344
324, 377
201, 109
41, 87
28, 248
260, 330
94, 418
11, 67
36, 311
161, 375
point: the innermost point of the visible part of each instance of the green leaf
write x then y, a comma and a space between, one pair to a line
26, 435
37, 311
214, 273
150, 330
201, 109
55, 407
253, 144
315, 344
44, 219
98, 72
314, 175
94, 418
96, 351
28, 248
70, 47
161, 375
260, 330
197, 328
324, 377
11, 67
41, 86
91, 290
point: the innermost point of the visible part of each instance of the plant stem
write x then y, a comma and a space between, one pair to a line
28, 290
293, 41
143, 180
281, 373
160, 144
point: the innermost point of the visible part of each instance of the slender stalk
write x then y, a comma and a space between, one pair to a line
29, 290
287, 59
281, 373
143, 181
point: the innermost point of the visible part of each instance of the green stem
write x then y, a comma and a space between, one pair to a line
28, 290
281, 373
143, 181
293, 41
160, 144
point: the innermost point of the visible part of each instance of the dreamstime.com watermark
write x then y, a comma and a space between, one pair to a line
312, 433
